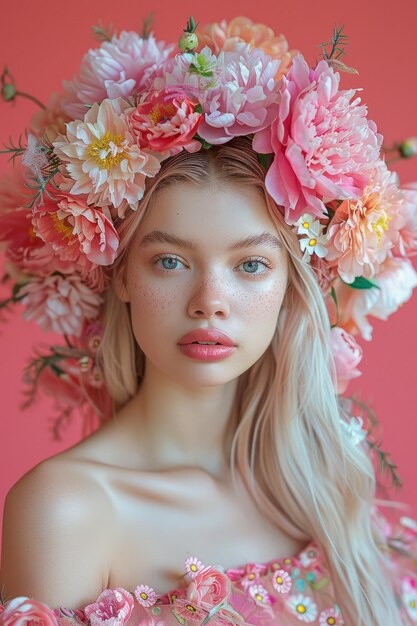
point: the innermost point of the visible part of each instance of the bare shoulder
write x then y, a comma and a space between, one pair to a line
50, 516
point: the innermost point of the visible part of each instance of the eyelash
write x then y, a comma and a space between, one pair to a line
262, 260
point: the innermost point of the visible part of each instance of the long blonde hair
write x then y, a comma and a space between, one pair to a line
284, 433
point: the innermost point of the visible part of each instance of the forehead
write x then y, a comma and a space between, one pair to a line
222, 212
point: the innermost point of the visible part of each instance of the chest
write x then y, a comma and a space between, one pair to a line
162, 520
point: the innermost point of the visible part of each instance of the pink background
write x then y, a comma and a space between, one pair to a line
42, 43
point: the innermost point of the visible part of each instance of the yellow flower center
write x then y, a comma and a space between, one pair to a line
193, 567
413, 604
279, 580
331, 620
301, 608
107, 151
251, 576
143, 595
381, 225
190, 608
162, 112
312, 242
306, 224
258, 596
287, 561
61, 227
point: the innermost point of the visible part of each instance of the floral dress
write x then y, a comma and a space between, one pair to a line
282, 592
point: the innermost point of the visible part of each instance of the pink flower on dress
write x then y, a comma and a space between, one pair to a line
76, 231
209, 588
22, 610
259, 594
145, 595
331, 616
60, 304
103, 159
361, 233
396, 280
281, 581
409, 596
116, 69
347, 354
245, 99
192, 566
113, 607
240, 31
166, 123
189, 611
322, 142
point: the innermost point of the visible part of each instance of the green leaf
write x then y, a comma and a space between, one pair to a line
265, 160
362, 283
320, 584
198, 108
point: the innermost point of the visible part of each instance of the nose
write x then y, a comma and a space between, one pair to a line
209, 299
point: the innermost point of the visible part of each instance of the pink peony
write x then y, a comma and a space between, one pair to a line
22, 610
347, 354
166, 124
60, 303
113, 607
363, 231
323, 143
396, 280
246, 98
406, 245
116, 69
103, 159
76, 231
209, 588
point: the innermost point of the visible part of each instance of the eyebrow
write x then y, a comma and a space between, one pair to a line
159, 236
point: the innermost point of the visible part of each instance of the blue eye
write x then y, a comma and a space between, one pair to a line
253, 264
168, 262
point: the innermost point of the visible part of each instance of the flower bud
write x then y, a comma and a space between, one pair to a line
408, 148
188, 42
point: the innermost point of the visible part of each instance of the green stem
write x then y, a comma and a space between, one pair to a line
29, 97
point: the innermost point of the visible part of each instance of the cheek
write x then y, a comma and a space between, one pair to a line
263, 305
152, 301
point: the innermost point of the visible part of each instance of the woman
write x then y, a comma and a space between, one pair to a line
223, 456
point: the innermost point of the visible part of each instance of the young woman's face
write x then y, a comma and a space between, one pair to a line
213, 282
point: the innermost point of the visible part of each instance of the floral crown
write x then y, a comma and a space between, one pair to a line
136, 102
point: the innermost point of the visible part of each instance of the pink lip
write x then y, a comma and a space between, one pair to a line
206, 353
207, 334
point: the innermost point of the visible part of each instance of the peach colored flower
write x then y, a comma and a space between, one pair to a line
360, 233
22, 610
76, 231
347, 354
102, 157
324, 146
164, 122
209, 588
60, 303
116, 69
113, 607
396, 280
230, 36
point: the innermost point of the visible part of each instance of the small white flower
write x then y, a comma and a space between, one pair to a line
307, 224
354, 428
303, 607
314, 243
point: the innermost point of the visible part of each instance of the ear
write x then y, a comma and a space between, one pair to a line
119, 285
